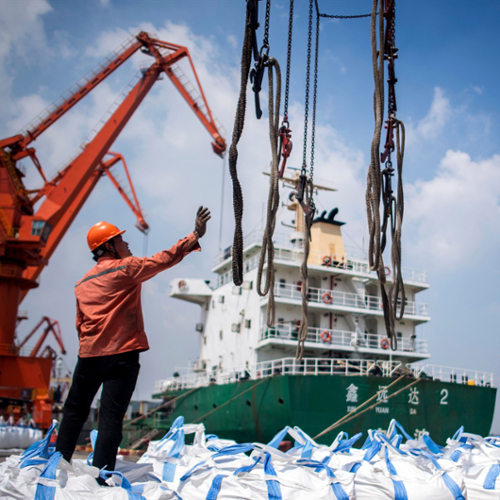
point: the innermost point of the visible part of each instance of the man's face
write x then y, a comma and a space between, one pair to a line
121, 247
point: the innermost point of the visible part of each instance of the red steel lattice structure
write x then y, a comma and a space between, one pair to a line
29, 235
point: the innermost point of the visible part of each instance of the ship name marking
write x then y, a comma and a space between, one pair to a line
382, 394
413, 411
413, 396
444, 393
352, 394
379, 409
419, 433
350, 409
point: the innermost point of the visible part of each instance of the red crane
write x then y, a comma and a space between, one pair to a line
29, 235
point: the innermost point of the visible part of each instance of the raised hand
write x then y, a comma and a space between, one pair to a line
202, 217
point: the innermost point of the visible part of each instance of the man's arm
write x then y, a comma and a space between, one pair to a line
140, 270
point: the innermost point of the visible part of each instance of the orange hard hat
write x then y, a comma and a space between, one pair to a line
100, 233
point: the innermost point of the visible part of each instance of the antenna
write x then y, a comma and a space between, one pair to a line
222, 201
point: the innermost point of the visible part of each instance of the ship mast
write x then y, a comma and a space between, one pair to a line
297, 237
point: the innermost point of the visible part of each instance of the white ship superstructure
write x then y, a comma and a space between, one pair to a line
345, 314
251, 370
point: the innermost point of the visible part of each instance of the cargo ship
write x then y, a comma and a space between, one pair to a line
247, 384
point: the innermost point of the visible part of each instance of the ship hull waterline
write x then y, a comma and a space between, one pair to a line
314, 402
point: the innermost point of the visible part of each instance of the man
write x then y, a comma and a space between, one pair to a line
111, 334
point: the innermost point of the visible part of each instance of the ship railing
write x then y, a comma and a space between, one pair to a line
285, 252
330, 366
454, 375
357, 266
332, 298
249, 240
327, 336
248, 265
326, 366
289, 366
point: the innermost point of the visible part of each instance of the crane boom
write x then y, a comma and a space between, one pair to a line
83, 90
33, 222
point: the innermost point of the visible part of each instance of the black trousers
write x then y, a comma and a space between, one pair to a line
118, 375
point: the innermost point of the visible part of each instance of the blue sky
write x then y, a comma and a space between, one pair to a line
447, 88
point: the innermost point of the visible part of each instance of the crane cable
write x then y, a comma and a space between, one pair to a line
306, 191
379, 181
273, 200
393, 206
239, 122
286, 144
274, 196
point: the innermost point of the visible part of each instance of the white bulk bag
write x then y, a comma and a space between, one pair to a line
165, 455
482, 482
16, 482
257, 480
387, 472
311, 477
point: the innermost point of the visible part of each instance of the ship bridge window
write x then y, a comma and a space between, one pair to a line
282, 283
400, 335
221, 334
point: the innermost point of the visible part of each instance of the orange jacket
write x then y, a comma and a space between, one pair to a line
108, 300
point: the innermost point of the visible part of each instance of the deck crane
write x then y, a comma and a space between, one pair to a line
33, 222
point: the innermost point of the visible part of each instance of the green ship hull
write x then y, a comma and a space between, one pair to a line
315, 402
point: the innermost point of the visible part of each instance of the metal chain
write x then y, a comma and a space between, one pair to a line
315, 91
288, 61
265, 41
308, 76
333, 16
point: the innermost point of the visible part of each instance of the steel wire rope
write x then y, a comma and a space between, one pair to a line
154, 410
239, 122
308, 192
273, 201
379, 181
397, 290
222, 201
373, 189
288, 61
374, 184
285, 133
232, 399
336, 16
333, 426
347, 415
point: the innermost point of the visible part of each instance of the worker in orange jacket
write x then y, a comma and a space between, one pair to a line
111, 334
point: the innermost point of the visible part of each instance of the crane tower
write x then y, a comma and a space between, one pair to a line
33, 222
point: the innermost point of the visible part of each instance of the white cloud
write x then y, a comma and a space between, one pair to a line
174, 171
105, 3
433, 123
454, 217
22, 35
